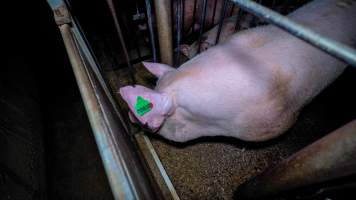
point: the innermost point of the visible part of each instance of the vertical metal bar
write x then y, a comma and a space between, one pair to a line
194, 12
330, 157
221, 22
232, 9
178, 18
151, 31
134, 34
330, 46
182, 14
214, 12
126, 177
238, 18
164, 24
202, 21
122, 42
137, 47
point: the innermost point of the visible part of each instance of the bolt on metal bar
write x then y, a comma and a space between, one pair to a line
121, 38
202, 21
332, 47
221, 22
151, 31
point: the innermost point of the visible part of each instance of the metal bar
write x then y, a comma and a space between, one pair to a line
122, 164
331, 157
160, 166
179, 15
164, 24
332, 47
202, 21
182, 14
121, 38
137, 47
221, 22
151, 31
214, 12
194, 12
79, 29
238, 18
232, 9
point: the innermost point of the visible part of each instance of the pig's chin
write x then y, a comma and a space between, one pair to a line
155, 125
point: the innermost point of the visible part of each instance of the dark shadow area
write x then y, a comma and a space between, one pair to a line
47, 150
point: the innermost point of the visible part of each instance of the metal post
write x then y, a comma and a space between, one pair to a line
164, 25
326, 44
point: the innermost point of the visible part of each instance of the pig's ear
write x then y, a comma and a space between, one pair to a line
148, 106
157, 69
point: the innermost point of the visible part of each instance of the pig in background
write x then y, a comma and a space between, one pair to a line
191, 20
239, 20
252, 86
209, 38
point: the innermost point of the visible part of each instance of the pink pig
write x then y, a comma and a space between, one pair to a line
250, 87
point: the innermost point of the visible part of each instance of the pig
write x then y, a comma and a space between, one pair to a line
251, 87
212, 18
209, 38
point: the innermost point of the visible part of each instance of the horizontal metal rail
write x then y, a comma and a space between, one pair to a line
326, 44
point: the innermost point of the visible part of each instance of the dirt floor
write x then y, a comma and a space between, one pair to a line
212, 168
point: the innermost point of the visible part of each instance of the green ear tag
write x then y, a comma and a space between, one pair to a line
143, 106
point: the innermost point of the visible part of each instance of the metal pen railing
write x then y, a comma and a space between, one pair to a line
127, 173
120, 172
330, 46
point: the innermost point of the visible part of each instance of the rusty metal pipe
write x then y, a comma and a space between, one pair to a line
164, 25
331, 157
125, 171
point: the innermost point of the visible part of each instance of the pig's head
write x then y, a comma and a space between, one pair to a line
148, 106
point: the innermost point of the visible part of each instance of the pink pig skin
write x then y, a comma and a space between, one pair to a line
253, 85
